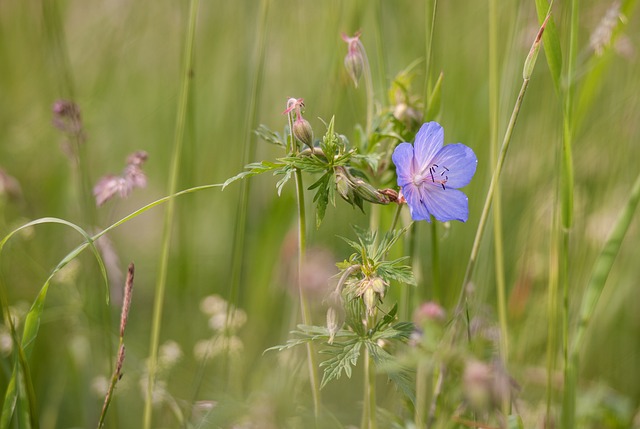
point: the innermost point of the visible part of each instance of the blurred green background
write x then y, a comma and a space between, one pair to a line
120, 62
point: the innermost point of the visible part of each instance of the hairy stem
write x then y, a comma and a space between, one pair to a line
304, 305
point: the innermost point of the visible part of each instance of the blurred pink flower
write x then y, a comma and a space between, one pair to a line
132, 177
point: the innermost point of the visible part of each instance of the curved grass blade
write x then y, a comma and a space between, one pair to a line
593, 292
32, 321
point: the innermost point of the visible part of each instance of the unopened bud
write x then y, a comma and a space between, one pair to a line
353, 64
354, 61
378, 285
368, 192
342, 185
335, 314
302, 131
370, 299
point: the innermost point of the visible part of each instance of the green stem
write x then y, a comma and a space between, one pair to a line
489, 198
370, 389
552, 313
368, 82
494, 114
304, 306
169, 211
567, 184
248, 153
421, 394
429, 44
435, 263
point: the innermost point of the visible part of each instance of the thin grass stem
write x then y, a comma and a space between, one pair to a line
494, 114
187, 71
552, 313
490, 193
567, 184
248, 153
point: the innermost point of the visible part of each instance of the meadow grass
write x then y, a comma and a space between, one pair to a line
550, 247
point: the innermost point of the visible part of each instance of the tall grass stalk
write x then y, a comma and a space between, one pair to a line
528, 70
552, 312
568, 409
186, 78
248, 154
368, 83
494, 114
592, 294
25, 346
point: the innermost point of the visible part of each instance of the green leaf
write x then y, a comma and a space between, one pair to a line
288, 172
400, 375
345, 357
515, 422
256, 168
550, 42
401, 331
391, 270
32, 321
270, 136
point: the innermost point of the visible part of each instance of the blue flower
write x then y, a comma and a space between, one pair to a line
430, 174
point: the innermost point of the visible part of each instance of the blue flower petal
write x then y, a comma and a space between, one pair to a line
446, 204
429, 141
415, 197
403, 160
460, 163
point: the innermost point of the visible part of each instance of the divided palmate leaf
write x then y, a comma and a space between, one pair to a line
345, 356
256, 168
270, 136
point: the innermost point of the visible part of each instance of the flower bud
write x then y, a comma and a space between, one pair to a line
368, 192
370, 299
354, 61
335, 314
342, 185
302, 131
354, 65
378, 285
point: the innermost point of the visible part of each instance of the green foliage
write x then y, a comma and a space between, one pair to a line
370, 255
345, 350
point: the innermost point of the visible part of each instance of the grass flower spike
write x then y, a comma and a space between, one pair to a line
430, 174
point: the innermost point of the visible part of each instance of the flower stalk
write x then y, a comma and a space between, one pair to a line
302, 245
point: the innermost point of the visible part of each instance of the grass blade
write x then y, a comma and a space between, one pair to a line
599, 275
551, 42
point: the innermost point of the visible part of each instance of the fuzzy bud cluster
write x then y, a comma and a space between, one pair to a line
371, 289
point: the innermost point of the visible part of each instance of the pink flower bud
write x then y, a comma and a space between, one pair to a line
302, 131
354, 60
